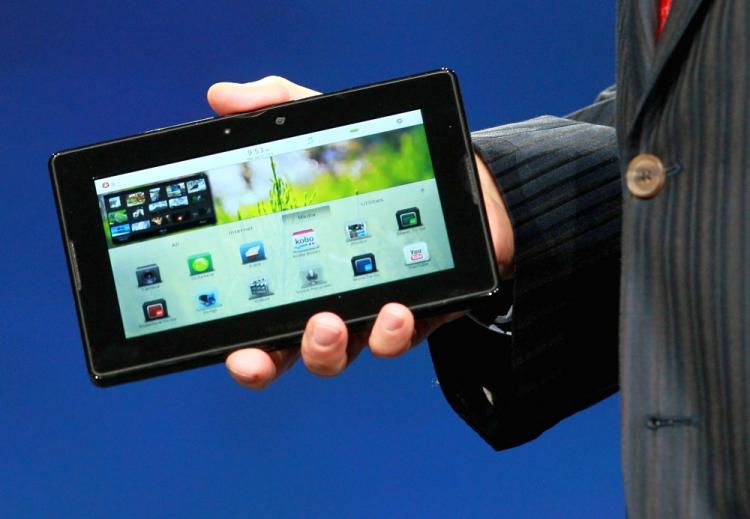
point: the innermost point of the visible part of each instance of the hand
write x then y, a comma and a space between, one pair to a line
327, 348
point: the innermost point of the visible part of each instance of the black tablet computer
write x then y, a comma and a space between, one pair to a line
186, 243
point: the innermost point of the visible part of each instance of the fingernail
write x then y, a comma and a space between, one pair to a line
392, 320
325, 335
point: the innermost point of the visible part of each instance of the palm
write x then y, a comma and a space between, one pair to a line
326, 347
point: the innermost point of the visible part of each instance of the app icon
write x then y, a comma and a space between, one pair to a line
304, 240
181, 217
200, 264
259, 288
154, 194
196, 185
356, 230
311, 276
116, 217
136, 198
148, 275
179, 201
158, 206
114, 202
153, 310
206, 299
252, 252
408, 218
138, 213
364, 264
140, 226
120, 230
416, 253
176, 189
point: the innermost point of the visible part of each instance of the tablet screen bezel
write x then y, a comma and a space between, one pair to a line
113, 358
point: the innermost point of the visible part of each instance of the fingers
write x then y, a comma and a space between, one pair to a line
324, 345
327, 348
393, 332
228, 98
255, 369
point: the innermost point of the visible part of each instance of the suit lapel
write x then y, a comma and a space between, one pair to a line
681, 14
645, 21
653, 55
636, 20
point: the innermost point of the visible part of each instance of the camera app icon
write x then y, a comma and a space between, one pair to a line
148, 275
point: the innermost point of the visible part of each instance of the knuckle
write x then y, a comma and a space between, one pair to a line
394, 351
388, 348
326, 369
279, 83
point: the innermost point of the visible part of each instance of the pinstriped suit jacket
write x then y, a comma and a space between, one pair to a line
680, 263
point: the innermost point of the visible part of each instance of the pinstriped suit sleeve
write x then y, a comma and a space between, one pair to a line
561, 184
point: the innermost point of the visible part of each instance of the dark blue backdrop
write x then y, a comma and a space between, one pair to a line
378, 441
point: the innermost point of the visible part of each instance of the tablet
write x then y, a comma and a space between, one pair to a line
189, 242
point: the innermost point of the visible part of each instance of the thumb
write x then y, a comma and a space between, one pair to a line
228, 98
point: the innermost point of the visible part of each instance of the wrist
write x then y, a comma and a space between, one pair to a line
498, 220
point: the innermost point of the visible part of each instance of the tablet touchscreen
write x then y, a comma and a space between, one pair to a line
274, 223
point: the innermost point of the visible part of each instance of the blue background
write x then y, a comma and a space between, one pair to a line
378, 441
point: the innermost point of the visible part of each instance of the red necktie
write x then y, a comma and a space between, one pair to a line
664, 7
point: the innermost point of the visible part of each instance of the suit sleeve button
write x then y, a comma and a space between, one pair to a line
645, 176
